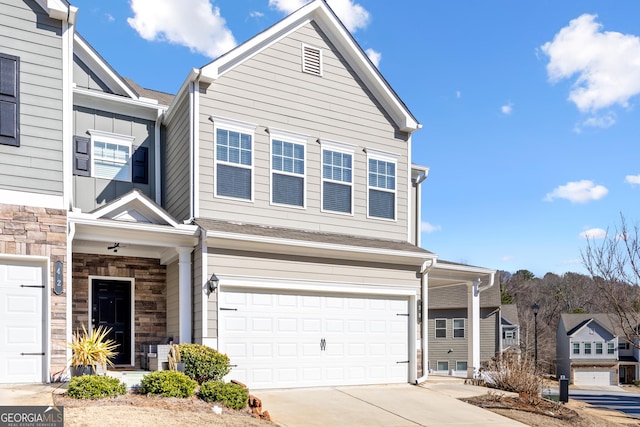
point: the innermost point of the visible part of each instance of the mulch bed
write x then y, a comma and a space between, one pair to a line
541, 407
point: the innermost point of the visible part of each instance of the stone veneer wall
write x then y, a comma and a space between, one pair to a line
31, 231
150, 305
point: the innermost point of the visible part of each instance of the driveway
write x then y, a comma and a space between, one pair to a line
398, 405
619, 400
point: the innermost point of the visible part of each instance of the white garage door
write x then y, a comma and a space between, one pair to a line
277, 340
592, 376
21, 323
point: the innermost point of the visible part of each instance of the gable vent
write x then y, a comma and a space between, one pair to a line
311, 60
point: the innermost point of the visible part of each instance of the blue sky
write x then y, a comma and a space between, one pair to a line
529, 108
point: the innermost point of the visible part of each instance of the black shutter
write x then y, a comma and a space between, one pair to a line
9, 100
81, 156
140, 165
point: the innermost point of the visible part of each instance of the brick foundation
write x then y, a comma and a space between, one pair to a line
150, 305
30, 231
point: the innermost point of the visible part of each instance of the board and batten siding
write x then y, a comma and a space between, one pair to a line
36, 165
85, 78
177, 175
173, 300
271, 91
89, 193
298, 268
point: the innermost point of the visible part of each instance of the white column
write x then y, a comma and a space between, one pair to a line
184, 294
473, 318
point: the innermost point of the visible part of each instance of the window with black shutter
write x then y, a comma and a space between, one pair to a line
9, 100
140, 165
81, 156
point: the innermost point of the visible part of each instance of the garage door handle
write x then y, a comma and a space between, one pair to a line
228, 309
323, 344
403, 361
31, 354
32, 286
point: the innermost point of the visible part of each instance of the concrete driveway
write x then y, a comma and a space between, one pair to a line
432, 404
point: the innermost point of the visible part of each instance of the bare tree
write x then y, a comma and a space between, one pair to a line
614, 265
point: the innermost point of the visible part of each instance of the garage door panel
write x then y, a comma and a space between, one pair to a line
360, 343
592, 377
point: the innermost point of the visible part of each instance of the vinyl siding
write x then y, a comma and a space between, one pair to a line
292, 268
91, 193
83, 77
35, 166
457, 296
173, 286
271, 91
177, 151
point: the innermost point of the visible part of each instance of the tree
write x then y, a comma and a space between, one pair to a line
614, 265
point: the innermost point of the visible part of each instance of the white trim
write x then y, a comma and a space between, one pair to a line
435, 327
303, 62
338, 145
204, 298
453, 328
157, 163
442, 361
68, 32
23, 198
116, 103
344, 149
195, 155
44, 263
243, 128
111, 138
295, 139
132, 284
461, 361
387, 158
259, 282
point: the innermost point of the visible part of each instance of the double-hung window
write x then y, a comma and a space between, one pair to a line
287, 168
575, 348
611, 348
381, 184
587, 348
458, 328
111, 155
337, 177
598, 348
233, 159
441, 328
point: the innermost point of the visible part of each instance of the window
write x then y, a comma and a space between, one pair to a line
587, 348
576, 348
441, 328
9, 100
287, 169
382, 186
509, 334
458, 328
337, 178
611, 348
623, 346
442, 365
461, 365
111, 155
598, 348
233, 159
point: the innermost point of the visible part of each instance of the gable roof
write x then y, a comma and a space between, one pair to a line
509, 313
319, 12
573, 322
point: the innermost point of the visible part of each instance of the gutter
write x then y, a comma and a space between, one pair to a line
427, 266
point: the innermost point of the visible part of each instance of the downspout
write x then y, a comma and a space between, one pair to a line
418, 208
427, 266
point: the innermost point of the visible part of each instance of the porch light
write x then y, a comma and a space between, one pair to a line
212, 283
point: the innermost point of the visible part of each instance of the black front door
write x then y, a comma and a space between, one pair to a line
111, 308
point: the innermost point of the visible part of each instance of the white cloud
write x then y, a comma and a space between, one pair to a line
632, 179
606, 64
604, 121
374, 56
578, 192
195, 24
352, 15
429, 228
594, 233
110, 17
458, 94
507, 109
256, 14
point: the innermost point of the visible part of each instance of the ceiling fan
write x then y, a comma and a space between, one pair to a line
115, 247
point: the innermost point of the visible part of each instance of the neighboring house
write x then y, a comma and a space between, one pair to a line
590, 351
510, 328
270, 209
449, 350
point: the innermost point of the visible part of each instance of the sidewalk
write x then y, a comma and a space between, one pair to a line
28, 394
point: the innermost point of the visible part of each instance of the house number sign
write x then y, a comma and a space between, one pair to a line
57, 278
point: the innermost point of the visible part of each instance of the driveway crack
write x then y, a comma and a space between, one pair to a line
380, 407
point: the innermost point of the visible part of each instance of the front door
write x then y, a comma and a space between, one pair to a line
111, 308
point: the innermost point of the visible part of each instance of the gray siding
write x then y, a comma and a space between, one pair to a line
85, 78
36, 166
89, 192
236, 263
173, 287
271, 91
458, 296
177, 185
196, 299
439, 347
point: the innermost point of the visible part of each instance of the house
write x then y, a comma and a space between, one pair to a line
591, 351
449, 348
510, 328
269, 209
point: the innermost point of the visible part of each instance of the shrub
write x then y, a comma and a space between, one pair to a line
95, 387
233, 395
515, 372
168, 384
203, 363
92, 348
